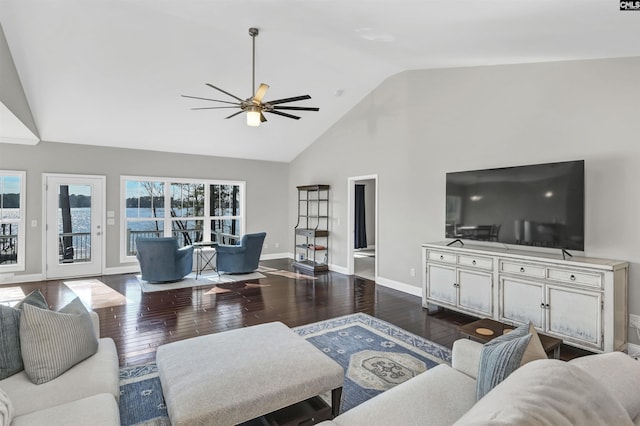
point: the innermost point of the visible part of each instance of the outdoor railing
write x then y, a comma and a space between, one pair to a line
8, 249
74, 247
185, 237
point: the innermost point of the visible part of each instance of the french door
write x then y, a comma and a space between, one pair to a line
74, 242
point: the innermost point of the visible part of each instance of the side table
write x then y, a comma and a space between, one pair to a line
202, 258
486, 329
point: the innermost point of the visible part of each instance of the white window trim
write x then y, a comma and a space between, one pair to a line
22, 229
124, 258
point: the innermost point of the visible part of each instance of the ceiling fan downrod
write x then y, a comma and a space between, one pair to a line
253, 32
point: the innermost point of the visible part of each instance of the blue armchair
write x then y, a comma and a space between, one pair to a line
161, 260
243, 257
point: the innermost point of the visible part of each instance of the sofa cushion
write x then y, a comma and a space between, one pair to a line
617, 372
52, 342
437, 397
498, 359
548, 392
97, 410
10, 355
6, 409
94, 375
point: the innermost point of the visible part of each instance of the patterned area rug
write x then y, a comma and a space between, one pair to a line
375, 354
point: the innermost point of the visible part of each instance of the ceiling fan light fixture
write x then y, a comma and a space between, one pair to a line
253, 116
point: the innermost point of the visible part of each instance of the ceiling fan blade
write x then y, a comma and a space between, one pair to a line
207, 99
234, 114
281, 101
284, 114
214, 107
262, 90
262, 118
223, 91
297, 108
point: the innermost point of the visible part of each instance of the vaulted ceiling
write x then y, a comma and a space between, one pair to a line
111, 72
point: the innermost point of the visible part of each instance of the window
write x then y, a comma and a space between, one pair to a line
190, 210
12, 221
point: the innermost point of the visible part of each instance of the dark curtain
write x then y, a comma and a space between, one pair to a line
360, 237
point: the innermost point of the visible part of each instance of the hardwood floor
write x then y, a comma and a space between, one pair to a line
140, 322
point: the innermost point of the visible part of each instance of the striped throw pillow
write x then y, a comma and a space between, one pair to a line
53, 342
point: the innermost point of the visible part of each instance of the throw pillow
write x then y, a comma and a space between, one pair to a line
6, 409
53, 342
10, 356
504, 354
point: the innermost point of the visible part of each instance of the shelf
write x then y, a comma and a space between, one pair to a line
311, 265
311, 232
313, 188
311, 247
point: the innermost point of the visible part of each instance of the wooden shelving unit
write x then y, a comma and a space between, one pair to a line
311, 234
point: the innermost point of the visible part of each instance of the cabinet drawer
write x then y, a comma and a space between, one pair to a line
476, 261
578, 277
442, 257
523, 269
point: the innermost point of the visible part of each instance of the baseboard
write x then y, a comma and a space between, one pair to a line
122, 270
396, 285
11, 278
272, 256
339, 269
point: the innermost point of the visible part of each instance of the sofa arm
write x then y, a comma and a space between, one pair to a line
465, 356
96, 323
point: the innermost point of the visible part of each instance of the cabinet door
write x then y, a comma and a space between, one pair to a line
474, 292
521, 300
441, 284
575, 315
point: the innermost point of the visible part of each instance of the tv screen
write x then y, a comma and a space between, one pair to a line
537, 205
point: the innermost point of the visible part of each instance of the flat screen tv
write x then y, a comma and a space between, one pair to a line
538, 205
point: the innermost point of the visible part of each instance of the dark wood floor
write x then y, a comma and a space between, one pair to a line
147, 320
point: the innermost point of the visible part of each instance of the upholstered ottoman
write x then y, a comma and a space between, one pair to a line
234, 376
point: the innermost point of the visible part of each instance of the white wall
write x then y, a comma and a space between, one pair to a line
266, 186
418, 125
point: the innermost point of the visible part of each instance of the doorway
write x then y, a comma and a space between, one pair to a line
363, 241
74, 215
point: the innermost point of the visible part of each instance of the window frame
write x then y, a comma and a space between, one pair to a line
20, 264
167, 219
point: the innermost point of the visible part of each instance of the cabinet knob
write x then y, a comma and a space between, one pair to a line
521, 269
473, 263
441, 257
572, 277
546, 306
542, 305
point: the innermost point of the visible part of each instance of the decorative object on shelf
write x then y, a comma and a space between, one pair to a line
253, 106
311, 234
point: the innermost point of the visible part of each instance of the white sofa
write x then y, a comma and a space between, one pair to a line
593, 390
86, 394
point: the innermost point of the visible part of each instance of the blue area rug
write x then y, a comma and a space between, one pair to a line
375, 354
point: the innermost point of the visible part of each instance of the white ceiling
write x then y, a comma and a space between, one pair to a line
111, 72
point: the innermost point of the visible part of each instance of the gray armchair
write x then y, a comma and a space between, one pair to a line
161, 260
243, 257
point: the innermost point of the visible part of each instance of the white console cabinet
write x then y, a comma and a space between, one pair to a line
581, 300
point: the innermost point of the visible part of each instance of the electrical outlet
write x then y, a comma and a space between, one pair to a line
634, 321
266, 246
277, 245
412, 272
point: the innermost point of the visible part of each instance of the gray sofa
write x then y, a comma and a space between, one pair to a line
595, 390
86, 394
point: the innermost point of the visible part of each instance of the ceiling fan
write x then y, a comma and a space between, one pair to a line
254, 106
